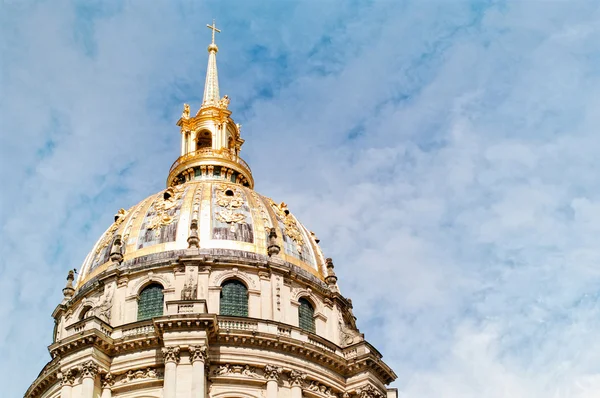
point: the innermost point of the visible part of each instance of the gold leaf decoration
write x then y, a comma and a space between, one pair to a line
290, 226
162, 207
230, 199
107, 238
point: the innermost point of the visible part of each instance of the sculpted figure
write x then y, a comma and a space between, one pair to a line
103, 305
224, 102
186, 112
222, 370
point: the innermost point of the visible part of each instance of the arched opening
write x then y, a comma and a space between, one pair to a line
306, 315
204, 140
234, 298
85, 312
150, 304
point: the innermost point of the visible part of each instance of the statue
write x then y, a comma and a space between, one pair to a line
190, 290
224, 102
186, 112
103, 306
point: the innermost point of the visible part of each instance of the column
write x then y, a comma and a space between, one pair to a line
107, 381
89, 370
171, 357
67, 378
272, 374
296, 381
198, 358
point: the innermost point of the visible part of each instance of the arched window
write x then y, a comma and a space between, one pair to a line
204, 140
150, 304
234, 299
306, 315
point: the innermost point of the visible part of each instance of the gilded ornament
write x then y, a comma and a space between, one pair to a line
290, 226
230, 199
186, 112
162, 208
107, 238
263, 212
224, 102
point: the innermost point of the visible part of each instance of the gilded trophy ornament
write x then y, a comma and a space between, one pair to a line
229, 199
108, 236
290, 226
162, 208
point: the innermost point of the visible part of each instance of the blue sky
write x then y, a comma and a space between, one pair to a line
445, 152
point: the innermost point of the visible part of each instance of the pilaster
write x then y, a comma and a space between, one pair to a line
272, 374
199, 360
171, 357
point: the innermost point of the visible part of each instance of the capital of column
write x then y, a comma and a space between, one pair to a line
89, 369
107, 380
67, 377
273, 372
297, 378
171, 354
198, 353
369, 391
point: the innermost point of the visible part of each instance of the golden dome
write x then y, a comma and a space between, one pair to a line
209, 207
229, 216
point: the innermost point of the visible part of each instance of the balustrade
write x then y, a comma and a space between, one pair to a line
225, 324
209, 152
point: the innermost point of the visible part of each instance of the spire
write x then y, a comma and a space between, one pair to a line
211, 87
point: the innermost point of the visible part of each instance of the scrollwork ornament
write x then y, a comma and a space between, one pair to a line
89, 369
171, 354
273, 372
198, 353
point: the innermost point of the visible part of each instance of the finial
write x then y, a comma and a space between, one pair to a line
330, 279
193, 239
116, 251
273, 248
212, 45
68, 291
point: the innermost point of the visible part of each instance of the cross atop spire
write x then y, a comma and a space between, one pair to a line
211, 86
214, 29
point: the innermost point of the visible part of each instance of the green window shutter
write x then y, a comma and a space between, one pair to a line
234, 299
150, 304
306, 315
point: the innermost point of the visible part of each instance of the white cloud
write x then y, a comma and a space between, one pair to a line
460, 211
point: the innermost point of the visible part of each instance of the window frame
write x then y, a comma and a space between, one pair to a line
245, 305
312, 328
154, 313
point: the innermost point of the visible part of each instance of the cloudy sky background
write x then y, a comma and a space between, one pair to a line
445, 152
